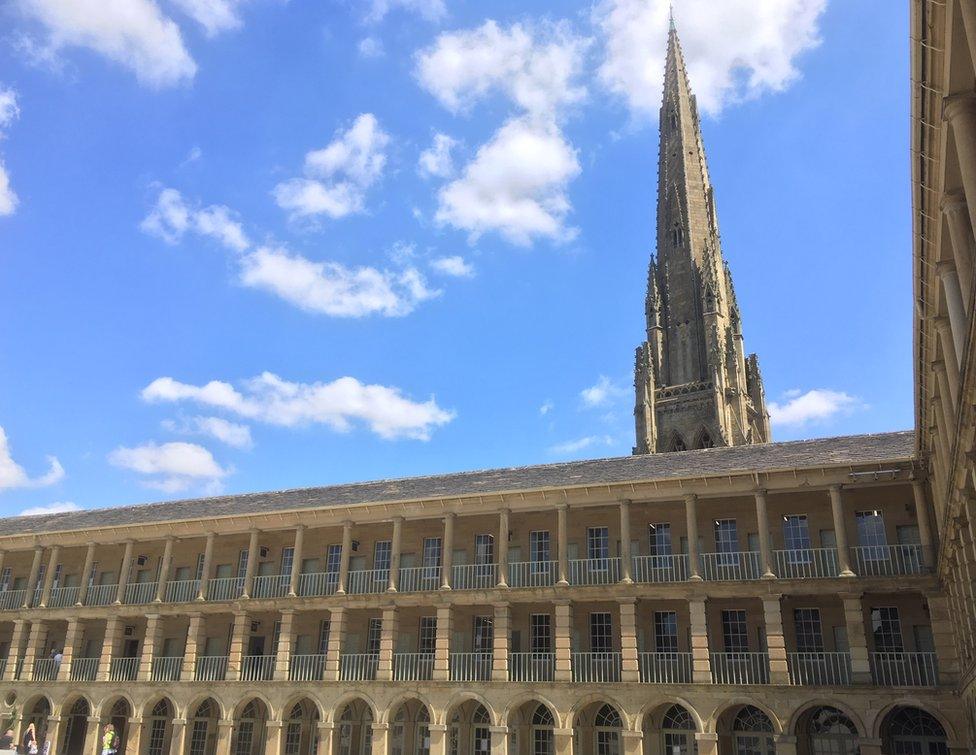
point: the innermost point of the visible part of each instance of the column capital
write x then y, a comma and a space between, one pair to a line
945, 267
760, 491
226, 723
690, 497
330, 725
851, 595
784, 739
179, 722
274, 724
437, 727
627, 601
498, 729
952, 202
836, 487
380, 726
709, 736
562, 506
450, 514
939, 366
955, 105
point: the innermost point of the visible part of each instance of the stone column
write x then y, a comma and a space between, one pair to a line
840, 531
93, 737
394, 581
192, 647
707, 743
499, 740
924, 523
633, 742
563, 641
762, 522
296, 561
626, 563
388, 637
272, 741
785, 744
500, 632
178, 738
164, 569
133, 735
630, 668
447, 551
562, 741
38, 635
13, 655
326, 729
71, 638
381, 737
701, 660
960, 112
153, 629
32, 579
691, 517
869, 746
52, 565
238, 645
54, 734
86, 575
285, 638
958, 324
943, 639
224, 728
344, 555
950, 358
108, 648
252, 564
337, 636
442, 644
961, 239
779, 672
207, 566
562, 544
857, 638
438, 740
503, 548
124, 572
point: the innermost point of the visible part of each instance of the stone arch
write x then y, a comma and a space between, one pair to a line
394, 706
109, 702
669, 725
409, 720
75, 711
298, 697
826, 728
191, 707
528, 697
531, 721
740, 702
350, 697
469, 719
462, 698
746, 724
599, 725
70, 698
157, 724
587, 700
37, 709
703, 439
877, 727
641, 720
118, 710
300, 731
354, 719
250, 730
201, 730
807, 706
250, 695
676, 442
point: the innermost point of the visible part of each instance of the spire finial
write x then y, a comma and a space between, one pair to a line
671, 16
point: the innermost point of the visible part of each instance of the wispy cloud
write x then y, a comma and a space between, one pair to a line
231, 433
819, 405
13, 475
571, 447
9, 111
602, 393
58, 507
455, 266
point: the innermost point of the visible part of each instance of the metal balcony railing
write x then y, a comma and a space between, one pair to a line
11, 599
101, 595
45, 670
413, 667
671, 568
368, 581
904, 669
470, 667
182, 590
83, 669
225, 588
474, 576
62, 597
805, 563
307, 668
270, 586
211, 668
819, 669
740, 668
887, 560
532, 573
665, 668
257, 668
419, 578
139, 593
734, 566
358, 667
596, 668
123, 669
594, 571
167, 668
531, 667
316, 584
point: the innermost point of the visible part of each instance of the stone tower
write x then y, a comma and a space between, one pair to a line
695, 386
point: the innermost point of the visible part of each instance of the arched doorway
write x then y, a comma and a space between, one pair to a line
36, 712
530, 729
202, 728
410, 729
75, 726
302, 729
913, 731
354, 733
250, 728
670, 730
826, 731
469, 730
117, 714
745, 730
157, 723
597, 730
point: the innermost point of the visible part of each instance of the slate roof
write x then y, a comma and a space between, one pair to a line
825, 452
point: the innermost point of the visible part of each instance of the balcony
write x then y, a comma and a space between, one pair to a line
820, 669
887, 560
734, 566
474, 576
19, 670
123, 669
101, 595
531, 667
665, 668
167, 669
182, 590
225, 588
211, 668
413, 667
596, 668
368, 582
317, 584
45, 670
307, 668
270, 586
904, 669
62, 597
673, 568
12, 599
257, 668
470, 667
358, 667
84, 669
140, 593
532, 574
594, 571
740, 668
806, 563
419, 578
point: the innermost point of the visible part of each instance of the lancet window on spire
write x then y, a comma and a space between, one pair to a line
677, 235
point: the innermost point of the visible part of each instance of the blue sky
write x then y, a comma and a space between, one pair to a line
258, 244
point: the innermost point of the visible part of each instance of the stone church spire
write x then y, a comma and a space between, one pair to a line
695, 387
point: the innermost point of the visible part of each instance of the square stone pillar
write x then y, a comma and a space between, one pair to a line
857, 638
701, 660
224, 728
785, 744
71, 639
499, 740
942, 637
563, 641
272, 737
13, 655
381, 736
442, 644
630, 667
192, 647
93, 737
108, 648
633, 742
337, 637
707, 743
178, 739
238, 645
153, 629
326, 728
286, 635
779, 672
133, 735
500, 633
35, 642
388, 637
562, 741
438, 740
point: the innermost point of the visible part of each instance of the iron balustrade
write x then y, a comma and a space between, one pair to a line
211, 668
740, 668
358, 667
167, 668
665, 668
123, 669
83, 669
368, 581
819, 669
270, 586
225, 588
257, 668
101, 595
11, 599
732, 566
62, 597
307, 668
470, 667
182, 590
596, 668
531, 667
419, 578
805, 563
904, 669
887, 560
532, 573
594, 571
45, 670
138, 593
316, 584
413, 667
671, 568
474, 576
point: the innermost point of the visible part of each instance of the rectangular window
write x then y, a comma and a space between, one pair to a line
56, 582
5, 579
484, 549
727, 542
275, 638
373, 635
93, 574
287, 559
539, 553
796, 532
809, 632
666, 631
333, 558
601, 633
200, 559
659, 536
734, 631
242, 563
482, 634
886, 627
382, 553
323, 636
597, 543
541, 628
432, 552
871, 534
427, 637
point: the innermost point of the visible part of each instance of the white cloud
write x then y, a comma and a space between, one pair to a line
58, 507
431, 10
170, 467
370, 47
8, 199
214, 16
546, 408
13, 475
338, 405
172, 217
814, 406
602, 393
332, 288
231, 433
734, 50
9, 111
580, 444
456, 266
436, 160
338, 176
133, 33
